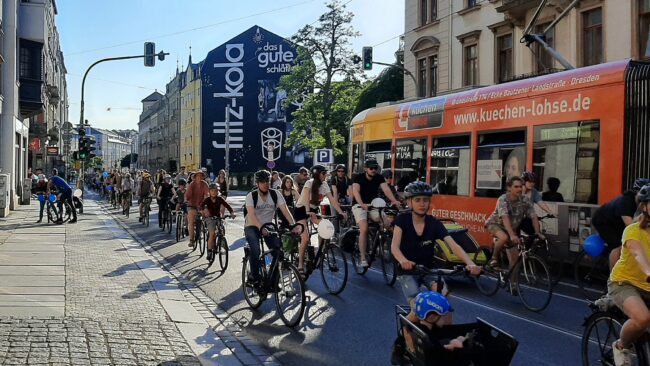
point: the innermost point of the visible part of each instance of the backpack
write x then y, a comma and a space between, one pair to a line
255, 194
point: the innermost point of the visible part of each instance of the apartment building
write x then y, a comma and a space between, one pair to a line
455, 44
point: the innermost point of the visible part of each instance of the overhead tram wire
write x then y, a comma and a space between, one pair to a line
192, 29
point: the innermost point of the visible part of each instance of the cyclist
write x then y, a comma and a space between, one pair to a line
511, 208
341, 185
164, 195
127, 188
611, 219
211, 207
629, 285
144, 190
197, 191
414, 241
117, 187
311, 196
66, 196
365, 188
261, 206
181, 175
179, 196
535, 196
290, 195
301, 178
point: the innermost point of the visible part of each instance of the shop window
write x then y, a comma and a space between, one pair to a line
410, 162
450, 162
568, 152
379, 151
499, 156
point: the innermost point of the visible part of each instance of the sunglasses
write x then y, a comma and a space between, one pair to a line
373, 168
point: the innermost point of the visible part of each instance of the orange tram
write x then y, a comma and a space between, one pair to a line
589, 128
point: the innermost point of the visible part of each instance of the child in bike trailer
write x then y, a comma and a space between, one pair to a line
179, 196
211, 207
414, 242
629, 282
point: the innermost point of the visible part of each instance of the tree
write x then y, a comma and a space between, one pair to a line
127, 160
387, 87
324, 65
97, 161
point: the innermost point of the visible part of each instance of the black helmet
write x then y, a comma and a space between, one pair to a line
341, 167
528, 177
262, 176
371, 163
317, 169
418, 188
182, 182
214, 186
640, 183
644, 193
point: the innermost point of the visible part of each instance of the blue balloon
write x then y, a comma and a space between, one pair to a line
594, 245
52, 198
41, 198
110, 188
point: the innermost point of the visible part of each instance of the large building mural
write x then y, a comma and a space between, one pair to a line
240, 78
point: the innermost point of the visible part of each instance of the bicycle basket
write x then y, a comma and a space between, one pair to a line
290, 242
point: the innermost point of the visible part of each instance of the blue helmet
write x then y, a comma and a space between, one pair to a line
430, 301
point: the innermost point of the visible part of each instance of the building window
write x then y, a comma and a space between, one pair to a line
423, 12
543, 59
434, 10
470, 56
644, 28
504, 57
428, 11
592, 37
422, 77
450, 165
25, 63
471, 3
499, 156
433, 75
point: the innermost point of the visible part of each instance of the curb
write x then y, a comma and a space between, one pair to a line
228, 332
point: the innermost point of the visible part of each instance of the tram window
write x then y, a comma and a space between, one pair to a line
410, 162
499, 156
568, 152
356, 154
450, 162
379, 151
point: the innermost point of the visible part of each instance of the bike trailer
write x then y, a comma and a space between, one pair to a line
445, 256
486, 345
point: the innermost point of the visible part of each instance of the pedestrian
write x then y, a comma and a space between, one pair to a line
40, 189
65, 192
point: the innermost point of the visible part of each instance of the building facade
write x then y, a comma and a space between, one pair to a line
190, 149
455, 44
111, 145
150, 108
33, 92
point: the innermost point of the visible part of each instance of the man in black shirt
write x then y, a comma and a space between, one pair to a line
365, 188
341, 185
611, 219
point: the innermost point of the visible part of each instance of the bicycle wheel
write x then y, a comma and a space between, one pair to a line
543, 249
203, 240
222, 252
290, 299
169, 221
533, 282
489, 281
146, 216
333, 268
388, 264
591, 274
252, 297
601, 330
67, 211
179, 227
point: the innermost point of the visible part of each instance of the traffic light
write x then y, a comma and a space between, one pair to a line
83, 148
367, 58
149, 54
90, 147
82, 132
75, 156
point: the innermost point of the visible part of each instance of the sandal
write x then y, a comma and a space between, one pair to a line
493, 263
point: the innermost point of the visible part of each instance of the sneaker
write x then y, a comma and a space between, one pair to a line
140, 219
622, 356
363, 263
72, 221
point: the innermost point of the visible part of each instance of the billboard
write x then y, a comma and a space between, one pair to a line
240, 78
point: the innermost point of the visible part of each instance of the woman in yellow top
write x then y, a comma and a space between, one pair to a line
629, 282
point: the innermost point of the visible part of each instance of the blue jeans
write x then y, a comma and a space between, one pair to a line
253, 236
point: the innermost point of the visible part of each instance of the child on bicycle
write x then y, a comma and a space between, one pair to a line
211, 207
179, 196
629, 282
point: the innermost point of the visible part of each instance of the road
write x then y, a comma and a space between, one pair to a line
358, 326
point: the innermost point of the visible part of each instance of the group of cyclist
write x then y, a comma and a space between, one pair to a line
58, 186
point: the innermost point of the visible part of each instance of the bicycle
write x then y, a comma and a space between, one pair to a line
181, 225
64, 211
221, 244
126, 204
166, 215
145, 211
329, 259
277, 276
200, 235
379, 240
591, 274
602, 328
543, 249
528, 278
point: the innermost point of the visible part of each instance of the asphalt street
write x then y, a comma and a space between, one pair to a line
358, 327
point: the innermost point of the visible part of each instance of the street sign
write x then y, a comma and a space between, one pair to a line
52, 150
270, 164
324, 156
35, 145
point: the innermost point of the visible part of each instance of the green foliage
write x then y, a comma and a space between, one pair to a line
325, 81
387, 87
97, 161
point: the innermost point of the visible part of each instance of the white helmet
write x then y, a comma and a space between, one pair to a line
326, 229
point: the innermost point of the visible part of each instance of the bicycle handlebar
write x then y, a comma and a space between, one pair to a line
273, 228
457, 269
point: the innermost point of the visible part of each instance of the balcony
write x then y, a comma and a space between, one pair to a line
32, 96
517, 9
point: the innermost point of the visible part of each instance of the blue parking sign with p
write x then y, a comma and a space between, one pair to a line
324, 156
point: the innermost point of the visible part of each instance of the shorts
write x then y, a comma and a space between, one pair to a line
211, 224
620, 291
411, 284
494, 229
300, 213
360, 214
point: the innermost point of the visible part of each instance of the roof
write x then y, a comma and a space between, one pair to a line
155, 96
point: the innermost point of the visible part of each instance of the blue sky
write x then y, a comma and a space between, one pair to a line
91, 30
